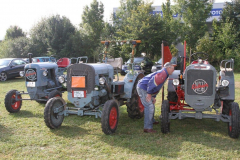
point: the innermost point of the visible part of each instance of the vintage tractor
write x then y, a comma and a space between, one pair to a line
92, 90
44, 80
194, 91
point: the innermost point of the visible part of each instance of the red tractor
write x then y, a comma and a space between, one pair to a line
195, 90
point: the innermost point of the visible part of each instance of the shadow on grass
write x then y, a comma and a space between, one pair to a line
69, 131
25, 114
74, 126
185, 135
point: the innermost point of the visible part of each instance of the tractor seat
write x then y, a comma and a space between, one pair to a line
116, 63
63, 62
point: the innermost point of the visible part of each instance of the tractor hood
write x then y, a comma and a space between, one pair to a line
91, 73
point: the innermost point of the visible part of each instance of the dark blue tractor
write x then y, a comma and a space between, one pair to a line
43, 80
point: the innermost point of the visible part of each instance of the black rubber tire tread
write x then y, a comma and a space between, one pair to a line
226, 106
172, 97
8, 102
234, 133
54, 93
48, 113
165, 122
105, 117
132, 106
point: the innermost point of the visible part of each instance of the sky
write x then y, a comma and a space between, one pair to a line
26, 13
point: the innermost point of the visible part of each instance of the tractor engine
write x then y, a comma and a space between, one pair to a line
39, 78
200, 85
89, 85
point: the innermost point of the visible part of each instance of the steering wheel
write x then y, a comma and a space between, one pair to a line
198, 55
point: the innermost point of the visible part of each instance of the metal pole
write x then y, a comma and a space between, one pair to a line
162, 67
184, 62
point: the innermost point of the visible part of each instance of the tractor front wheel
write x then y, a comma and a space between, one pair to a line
12, 103
52, 117
165, 122
234, 127
110, 116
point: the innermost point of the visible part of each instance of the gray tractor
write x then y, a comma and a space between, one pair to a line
194, 91
93, 90
43, 80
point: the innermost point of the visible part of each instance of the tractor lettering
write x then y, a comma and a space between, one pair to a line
31, 75
199, 86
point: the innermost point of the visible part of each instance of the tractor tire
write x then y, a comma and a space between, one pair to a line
234, 113
165, 122
13, 106
51, 119
135, 107
226, 106
172, 97
54, 93
110, 116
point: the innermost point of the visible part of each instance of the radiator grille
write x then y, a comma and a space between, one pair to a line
200, 82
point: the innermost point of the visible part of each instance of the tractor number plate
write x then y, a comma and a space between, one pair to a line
79, 94
30, 84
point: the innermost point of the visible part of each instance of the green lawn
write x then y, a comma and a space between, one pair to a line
24, 135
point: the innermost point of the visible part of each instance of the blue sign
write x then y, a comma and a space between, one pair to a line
216, 12
213, 12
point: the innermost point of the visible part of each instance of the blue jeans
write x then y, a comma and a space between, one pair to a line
149, 109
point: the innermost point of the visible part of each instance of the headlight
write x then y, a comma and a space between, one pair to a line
154, 67
175, 82
225, 83
61, 79
22, 73
45, 73
102, 80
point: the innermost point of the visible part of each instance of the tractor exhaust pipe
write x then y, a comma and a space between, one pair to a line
30, 57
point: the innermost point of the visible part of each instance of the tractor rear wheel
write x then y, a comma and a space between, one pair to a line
135, 107
110, 116
54, 120
54, 93
165, 122
11, 104
226, 107
172, 97
234, 127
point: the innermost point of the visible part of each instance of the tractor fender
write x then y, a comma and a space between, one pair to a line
175, 75
229, 75
129, 81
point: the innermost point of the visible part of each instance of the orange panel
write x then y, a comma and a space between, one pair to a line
78, 82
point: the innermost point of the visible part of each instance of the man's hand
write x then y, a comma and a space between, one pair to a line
154, 100
149, 97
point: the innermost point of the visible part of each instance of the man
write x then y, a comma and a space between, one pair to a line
147, 88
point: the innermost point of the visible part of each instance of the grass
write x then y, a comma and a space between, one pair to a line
24, 135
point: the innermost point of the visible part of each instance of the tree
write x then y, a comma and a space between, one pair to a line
225, 38
91, 27
194, 14
14, 32
14, 48
173, 27
51, 36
